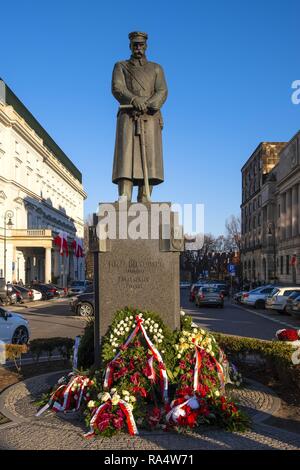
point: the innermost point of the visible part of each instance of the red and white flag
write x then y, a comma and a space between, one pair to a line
77, 247
61, 241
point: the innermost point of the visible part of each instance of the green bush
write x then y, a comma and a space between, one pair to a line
62, 346
86, 346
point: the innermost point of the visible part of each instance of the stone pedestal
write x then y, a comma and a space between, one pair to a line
135, 271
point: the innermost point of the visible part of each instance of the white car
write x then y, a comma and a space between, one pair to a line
257, 297
36, 294
14, 329
278, 298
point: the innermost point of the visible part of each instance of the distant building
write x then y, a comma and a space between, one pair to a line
271, 213
41, 194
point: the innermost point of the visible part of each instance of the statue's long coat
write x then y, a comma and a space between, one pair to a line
133, 78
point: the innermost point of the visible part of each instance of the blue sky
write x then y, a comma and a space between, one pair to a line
229, 67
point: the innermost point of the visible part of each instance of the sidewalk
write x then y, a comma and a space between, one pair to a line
52, 431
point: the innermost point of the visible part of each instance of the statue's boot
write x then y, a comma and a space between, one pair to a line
142, 196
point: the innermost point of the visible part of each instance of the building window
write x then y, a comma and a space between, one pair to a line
288, 264
258, 219
281, 264
17, 147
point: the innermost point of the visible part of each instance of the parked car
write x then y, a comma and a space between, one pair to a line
278, 297
79, 287
209, 296
295, 296
257, 297
295, 310
14, 329
47, 291
27, 294
59, 291
83, 304
223, 288
8, 294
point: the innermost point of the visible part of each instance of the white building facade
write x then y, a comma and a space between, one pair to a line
41, 194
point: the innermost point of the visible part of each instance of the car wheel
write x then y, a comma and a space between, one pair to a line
20, 336
260, 304
85, 310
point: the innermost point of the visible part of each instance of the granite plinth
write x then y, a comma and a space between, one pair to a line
140, 273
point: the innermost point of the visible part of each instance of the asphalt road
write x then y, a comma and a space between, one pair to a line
49, 319
54, 318
238, 320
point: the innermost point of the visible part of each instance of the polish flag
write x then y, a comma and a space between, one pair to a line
61, 241
77, 247
294, 260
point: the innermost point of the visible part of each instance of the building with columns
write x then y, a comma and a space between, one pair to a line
271, 214
41, 194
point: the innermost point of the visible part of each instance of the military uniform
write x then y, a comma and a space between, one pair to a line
132, 78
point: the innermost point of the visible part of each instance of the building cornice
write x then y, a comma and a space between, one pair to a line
11, 119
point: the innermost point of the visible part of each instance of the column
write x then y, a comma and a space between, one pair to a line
47, 265
282, 216
289, 213
294, 211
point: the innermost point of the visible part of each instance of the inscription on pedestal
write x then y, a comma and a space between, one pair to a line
132, 273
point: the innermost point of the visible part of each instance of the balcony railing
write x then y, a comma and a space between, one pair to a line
31, 233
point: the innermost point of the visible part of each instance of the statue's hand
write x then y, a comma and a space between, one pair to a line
140, 103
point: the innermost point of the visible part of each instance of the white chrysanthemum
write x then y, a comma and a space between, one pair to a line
91, 404
114, 350
163, 351
132, 398
179, 356
131, 317
217, 393
195, 330
155, 337
160, 330
105, 396
127, 329
156, 325
115, 330
125, 392
160, 340
181, 340
115, 399
113, 390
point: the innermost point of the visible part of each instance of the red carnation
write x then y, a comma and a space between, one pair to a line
103, 425
135, 378
288, 335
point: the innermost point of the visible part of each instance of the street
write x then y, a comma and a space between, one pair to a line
238, 320
54, 318
51, 318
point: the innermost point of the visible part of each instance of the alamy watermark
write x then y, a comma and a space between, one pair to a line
124, 221
296, 94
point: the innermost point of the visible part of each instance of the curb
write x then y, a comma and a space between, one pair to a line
12, 417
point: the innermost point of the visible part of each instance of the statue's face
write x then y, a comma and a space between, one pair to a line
138, 49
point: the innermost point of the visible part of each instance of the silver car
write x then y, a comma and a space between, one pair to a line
79, 287
278, 298
209, 296
257, 297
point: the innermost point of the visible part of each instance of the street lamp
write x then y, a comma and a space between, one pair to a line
272, 233
8, 215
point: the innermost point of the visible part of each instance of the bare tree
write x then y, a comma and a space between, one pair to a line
233, 228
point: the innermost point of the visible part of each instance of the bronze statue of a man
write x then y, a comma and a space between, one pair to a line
140, 88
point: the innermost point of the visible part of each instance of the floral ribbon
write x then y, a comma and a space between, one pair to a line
132, 428
192, 401
65, 393
177, 410
108, 380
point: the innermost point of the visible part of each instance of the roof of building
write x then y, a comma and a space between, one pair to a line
9, 98
280, 145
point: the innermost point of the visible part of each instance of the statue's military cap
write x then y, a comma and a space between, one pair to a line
137, 36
